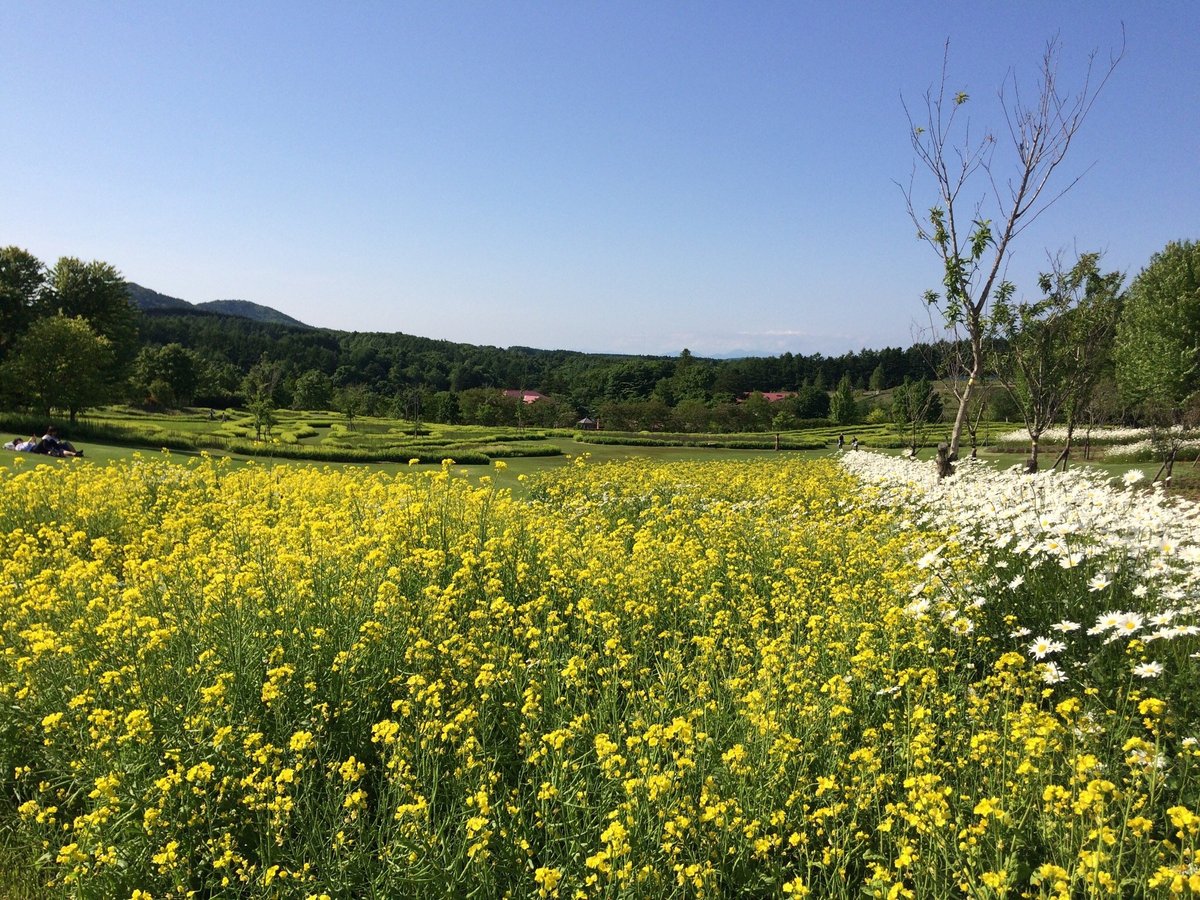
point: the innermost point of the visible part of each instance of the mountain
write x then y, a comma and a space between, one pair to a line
144, 298
152, 301
244, 309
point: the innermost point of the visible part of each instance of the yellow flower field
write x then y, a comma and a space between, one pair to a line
642, 681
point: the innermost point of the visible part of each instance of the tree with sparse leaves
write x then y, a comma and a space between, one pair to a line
261, 388
351, 402
915, 406
982, 202
1054, 348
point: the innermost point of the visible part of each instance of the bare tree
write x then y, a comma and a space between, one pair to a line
972, 232
915, 406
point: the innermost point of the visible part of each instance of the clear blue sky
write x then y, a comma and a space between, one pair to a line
606, 176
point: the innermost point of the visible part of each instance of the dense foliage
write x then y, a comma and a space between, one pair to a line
1158, 339
388, 364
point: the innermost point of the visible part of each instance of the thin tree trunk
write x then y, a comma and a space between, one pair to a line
1066, 450
960, 418
1167, 466
1031, 465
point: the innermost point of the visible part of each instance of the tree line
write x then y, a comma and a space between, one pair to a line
1084, 350
70, 338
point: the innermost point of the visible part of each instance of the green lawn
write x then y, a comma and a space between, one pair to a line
139, 432
514, 468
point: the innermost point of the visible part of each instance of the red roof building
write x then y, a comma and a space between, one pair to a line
524, 396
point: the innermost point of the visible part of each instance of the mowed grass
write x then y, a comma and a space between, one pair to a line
518, 469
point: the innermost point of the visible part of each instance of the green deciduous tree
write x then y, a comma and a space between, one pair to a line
60, 363
843, 408
983, 203
178, 369
691, 416
443, 407
96, 291
312, 390
1158, 340
1157, 352
22, 283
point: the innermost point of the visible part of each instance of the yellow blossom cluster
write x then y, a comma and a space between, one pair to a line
697, 679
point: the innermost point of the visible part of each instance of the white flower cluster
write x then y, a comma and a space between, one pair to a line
1108, 434
1119, 443
1005, 520
1145, 449
1064, 516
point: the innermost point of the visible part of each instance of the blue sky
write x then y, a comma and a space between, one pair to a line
626, 177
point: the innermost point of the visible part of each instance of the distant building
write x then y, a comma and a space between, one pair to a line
524, 396
587, 423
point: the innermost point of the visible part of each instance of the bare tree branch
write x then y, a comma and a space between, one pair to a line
974, 254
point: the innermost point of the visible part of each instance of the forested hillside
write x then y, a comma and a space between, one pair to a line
390, 363
136, 345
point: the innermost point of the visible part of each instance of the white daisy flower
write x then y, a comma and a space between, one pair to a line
1070, 560
1148, 670
1043, 647
918, 608
1065, 626
1052, 674
930, 558
1129, 623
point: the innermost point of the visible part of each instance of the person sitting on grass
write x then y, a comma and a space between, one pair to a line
22, 445
55, 446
